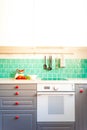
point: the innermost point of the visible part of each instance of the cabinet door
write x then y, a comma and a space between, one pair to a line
0, 121
81, 107
55, 126
19, 121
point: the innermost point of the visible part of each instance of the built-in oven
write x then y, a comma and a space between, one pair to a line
55, 102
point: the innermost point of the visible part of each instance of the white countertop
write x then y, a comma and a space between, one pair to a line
10, 80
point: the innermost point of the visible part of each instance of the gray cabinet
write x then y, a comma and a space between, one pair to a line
55, 126
19, 120
17, 106
81, 106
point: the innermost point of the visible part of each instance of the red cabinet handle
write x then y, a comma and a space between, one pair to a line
17, 103
16, 117
17, 93
17, 87
81, 91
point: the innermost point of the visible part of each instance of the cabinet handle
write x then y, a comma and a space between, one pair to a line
17, 87
81, 90
17, 103
17, 93
16, 117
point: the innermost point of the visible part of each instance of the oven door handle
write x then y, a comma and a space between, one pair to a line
54, 93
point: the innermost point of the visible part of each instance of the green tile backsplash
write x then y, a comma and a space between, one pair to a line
74, 68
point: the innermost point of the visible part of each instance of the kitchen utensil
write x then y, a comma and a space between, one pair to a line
62, 61
45, 66
50, 63
56, 63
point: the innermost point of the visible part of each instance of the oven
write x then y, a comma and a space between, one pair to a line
55, 102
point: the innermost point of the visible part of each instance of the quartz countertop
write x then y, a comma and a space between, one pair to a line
11, 80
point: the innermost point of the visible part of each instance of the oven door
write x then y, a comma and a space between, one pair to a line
55, 107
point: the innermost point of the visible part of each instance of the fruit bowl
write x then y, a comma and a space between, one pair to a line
23, 77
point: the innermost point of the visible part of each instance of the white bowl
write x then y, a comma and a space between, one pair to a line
33, 77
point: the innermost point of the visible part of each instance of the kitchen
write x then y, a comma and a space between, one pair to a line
44, 43
51, 99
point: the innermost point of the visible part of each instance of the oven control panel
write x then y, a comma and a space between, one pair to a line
55, 87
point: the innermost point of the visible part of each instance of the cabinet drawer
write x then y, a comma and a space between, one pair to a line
18, 93
18, 86
18, 103
56, 126
19, 121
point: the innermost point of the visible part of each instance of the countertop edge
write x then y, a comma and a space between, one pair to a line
10, 81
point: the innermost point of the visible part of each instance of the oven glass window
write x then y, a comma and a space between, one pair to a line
55, 104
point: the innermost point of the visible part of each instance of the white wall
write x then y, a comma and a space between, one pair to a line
43, 22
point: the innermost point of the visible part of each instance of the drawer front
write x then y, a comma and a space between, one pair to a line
18, 93
19, 121
18, 103
18, 86
56, 126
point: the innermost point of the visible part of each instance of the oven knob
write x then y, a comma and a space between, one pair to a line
81, 90
55, 88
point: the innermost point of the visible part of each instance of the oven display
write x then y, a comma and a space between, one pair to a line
47, 87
